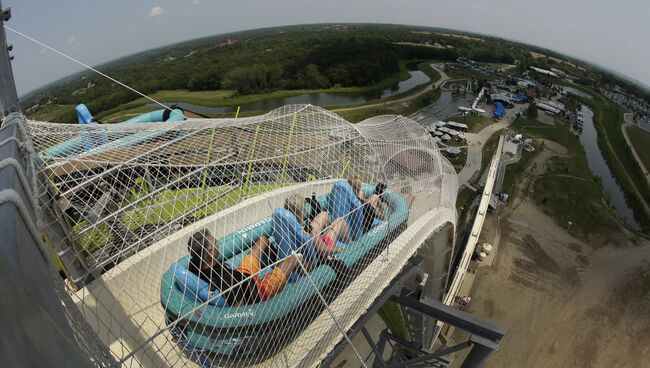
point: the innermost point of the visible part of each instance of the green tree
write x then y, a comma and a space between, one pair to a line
313, 78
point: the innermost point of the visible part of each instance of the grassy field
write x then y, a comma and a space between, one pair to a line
464, 196
514, 171
475, 122
357, 115
229, 98
641, 141
47, 113
164, 207
488, 151
568, 191
608, 118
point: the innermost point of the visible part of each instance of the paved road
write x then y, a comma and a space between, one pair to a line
476, 141
443, 78
628, 123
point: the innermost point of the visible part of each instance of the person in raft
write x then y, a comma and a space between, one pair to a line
246, 284
324, 235
373, 205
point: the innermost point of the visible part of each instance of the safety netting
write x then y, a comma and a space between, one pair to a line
254, 241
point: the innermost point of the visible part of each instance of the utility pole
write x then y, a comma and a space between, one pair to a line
8, 93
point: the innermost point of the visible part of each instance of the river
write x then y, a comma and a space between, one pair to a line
599, 167
323, 99
444, 107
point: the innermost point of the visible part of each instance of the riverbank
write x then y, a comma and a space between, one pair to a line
608, 118
577, 292
228, 100
566, 188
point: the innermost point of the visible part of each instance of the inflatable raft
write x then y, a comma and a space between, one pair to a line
93, 143
205, 322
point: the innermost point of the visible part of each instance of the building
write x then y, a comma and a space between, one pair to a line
544, 72
458, 126
520, 98
499, 110
502, 97
551, 107
558, 72
525, 83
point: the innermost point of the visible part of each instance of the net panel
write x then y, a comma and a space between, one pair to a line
296, 219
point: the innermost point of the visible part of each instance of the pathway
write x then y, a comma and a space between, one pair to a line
443, 78
476, 141
624, 127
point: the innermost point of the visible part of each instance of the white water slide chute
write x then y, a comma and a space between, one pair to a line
120, 218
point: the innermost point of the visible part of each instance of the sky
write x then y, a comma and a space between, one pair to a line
610, 33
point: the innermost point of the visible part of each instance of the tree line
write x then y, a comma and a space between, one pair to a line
304, 57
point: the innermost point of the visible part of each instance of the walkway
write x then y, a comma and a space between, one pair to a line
476, 141
624, 127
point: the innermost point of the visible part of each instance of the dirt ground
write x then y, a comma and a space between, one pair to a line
564, 303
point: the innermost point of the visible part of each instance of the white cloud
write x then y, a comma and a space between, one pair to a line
156, 11
71, 40
195, 2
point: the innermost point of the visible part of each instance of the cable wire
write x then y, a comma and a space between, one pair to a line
90, 67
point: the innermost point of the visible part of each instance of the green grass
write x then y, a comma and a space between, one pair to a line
608, 117
50, 112
359, 114
568, 191
488, 151
164, 207
228, 98
475, 122
426, 68
513, 171
640, 140
225, 98
464, 196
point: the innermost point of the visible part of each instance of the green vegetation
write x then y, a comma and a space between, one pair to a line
163, 208
425, 67
356, 115
475, 122
50, 112
567, 191
514, 171
608, 118
464, 196
488, 151
291, 59
641, 141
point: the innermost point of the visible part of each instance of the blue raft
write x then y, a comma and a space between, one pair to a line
256, 332
92, 140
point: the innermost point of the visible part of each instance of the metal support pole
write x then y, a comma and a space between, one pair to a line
8, 93
480, 352
379, 360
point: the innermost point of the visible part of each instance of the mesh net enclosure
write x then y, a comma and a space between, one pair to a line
254, 241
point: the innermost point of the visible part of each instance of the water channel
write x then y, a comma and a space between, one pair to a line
444, 107
599, 167
323, 99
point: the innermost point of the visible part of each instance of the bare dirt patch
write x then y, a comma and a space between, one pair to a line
537, 55
564, 302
